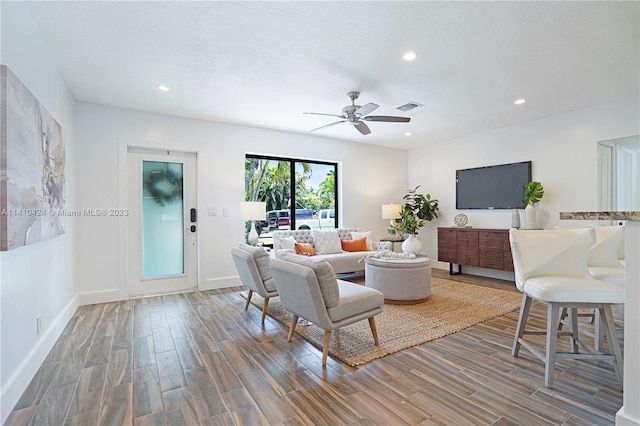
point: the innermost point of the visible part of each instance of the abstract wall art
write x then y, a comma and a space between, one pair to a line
32, 162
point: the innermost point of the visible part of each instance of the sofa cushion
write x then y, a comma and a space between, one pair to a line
288, 243
262, 258
305, 249
326, 241
367, 235
324, 274
354, 245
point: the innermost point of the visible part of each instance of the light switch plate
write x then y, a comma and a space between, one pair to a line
225, 212
213, 211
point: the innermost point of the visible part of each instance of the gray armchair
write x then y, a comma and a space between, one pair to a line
308, 288
252, 264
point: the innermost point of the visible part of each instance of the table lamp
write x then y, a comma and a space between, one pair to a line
252, 211
391, 212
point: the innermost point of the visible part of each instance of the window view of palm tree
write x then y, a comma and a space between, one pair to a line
300, 194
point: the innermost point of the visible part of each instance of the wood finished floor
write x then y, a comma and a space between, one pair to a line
199, 358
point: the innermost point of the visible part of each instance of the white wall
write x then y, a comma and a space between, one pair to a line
37, 279
370, 176
563, 150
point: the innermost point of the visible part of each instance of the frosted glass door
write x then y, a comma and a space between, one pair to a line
162, 219
162, 254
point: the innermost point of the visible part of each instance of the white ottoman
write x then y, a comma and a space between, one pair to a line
402, 281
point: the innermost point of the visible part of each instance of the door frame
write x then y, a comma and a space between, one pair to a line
123, 223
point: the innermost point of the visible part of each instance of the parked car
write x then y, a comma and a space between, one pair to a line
279, 219
325, 219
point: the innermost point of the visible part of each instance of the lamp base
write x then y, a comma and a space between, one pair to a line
253, 235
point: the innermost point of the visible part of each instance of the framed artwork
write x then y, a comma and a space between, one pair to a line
32, 162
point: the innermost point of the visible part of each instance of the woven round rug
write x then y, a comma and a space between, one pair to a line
452, 306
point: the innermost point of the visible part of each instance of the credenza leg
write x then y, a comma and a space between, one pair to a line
451, 269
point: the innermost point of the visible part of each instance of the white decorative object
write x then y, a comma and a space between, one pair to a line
515, 219
388, 254
391, 212
461, 220
326, 242
412, 245
253, 210
530, 217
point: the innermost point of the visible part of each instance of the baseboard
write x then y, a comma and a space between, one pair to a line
216, 283
17, 384
623, 420
105, 296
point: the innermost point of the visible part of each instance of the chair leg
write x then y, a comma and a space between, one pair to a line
325, 348
372, 324
553, 317
264, 308
563, 315
609, 328
522, 323
598, 331
292, 327
246, 306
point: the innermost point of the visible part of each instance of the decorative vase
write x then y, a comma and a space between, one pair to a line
530, 217
515, 219
412, 245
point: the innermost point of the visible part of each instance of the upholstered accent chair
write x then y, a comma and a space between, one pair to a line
252, 264
308, 288
551, 267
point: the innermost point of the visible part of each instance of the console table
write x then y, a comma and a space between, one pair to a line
481, 247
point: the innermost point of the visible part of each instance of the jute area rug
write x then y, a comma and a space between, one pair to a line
452, 306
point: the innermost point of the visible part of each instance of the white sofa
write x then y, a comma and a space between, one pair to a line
343, 262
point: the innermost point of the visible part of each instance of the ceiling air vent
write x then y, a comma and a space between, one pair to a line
409, 106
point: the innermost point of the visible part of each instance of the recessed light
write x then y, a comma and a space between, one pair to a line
163, 88
410, 56
407, 133
520, 101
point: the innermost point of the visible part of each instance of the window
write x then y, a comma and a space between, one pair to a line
300, 194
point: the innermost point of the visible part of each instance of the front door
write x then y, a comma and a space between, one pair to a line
162, 221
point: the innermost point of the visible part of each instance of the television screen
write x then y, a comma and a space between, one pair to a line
492, 187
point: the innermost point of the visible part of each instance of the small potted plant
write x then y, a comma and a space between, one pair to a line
532, 193
416, 211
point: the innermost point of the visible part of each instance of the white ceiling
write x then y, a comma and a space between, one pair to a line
265, 63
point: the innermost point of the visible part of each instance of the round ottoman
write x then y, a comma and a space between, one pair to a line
402, 281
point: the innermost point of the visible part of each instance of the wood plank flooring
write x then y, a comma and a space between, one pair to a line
199, 359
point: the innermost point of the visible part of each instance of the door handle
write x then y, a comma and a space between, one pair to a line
193, 228
193, 215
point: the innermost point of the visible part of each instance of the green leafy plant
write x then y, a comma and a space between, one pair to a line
416, 211
532, 193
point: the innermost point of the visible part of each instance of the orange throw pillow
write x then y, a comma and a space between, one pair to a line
305, 249
354, 245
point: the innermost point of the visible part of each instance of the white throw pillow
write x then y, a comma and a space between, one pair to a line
326, 242
288, 243
367, 234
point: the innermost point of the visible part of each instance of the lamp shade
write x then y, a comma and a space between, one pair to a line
253, 210
391, 211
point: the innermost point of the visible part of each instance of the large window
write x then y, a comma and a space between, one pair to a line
300, 194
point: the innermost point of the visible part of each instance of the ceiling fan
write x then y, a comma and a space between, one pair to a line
356, 115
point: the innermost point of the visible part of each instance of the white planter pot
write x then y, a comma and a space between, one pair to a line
530, 217
412, 245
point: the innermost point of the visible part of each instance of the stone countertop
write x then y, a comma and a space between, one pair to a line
600, 215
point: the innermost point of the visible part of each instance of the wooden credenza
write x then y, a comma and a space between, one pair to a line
484, 248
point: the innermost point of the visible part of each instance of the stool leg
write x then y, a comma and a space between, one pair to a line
553, 316
246, 306
522, 323
609, 328
573, 326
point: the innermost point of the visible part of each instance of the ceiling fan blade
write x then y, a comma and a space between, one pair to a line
363, 128
329, 125
366, 109
321, 113
388, 118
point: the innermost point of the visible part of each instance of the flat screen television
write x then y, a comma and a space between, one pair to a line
492, 187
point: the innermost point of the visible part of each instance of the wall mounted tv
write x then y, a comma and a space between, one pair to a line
492, 187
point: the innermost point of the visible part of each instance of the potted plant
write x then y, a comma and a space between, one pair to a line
416, 211
532, 193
